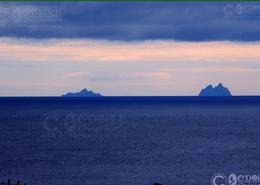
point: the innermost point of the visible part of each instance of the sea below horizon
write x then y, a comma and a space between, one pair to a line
173, 140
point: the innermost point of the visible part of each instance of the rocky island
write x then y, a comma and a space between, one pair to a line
218, 90
82, 93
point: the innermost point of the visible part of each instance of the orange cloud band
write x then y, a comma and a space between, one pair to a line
111, 51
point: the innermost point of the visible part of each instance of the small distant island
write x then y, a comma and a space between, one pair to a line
218, 90
82, 93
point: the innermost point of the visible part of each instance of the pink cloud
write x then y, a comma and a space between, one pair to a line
108, 51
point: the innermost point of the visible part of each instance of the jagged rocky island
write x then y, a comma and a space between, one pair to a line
82, 93
218, 90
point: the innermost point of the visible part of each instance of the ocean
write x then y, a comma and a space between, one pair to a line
128, 140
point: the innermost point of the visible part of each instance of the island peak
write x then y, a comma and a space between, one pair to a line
218, 90
83, 93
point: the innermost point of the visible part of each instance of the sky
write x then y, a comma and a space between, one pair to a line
128, 49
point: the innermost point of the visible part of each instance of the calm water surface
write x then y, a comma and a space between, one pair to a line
126, 141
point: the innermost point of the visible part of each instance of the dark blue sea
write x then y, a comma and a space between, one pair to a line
128, 140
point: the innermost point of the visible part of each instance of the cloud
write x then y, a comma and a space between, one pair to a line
199, 21
225, 69
74, 75
87, 51
158, 67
